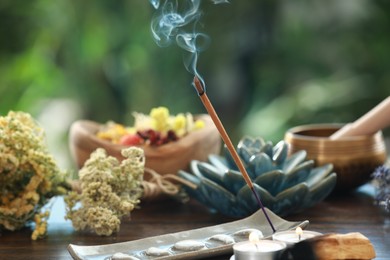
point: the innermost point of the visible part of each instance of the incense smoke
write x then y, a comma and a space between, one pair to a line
170, 25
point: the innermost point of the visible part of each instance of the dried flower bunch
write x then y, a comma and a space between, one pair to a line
29, 176
381, 180
157, 128
109, 190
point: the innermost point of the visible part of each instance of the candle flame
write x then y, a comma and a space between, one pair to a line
299, 231
254, 237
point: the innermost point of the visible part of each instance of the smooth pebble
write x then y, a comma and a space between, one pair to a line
122, 256
247, 231
155, 251
189, 245
226, 239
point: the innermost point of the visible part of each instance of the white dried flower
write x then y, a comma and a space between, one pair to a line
110, 190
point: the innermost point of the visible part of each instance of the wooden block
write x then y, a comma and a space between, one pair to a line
343, 246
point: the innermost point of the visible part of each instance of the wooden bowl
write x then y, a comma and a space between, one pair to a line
167, 158
354, 158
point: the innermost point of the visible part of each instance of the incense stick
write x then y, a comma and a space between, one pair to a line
211, 111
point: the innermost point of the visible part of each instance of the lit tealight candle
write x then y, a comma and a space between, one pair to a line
291, 237
257, 249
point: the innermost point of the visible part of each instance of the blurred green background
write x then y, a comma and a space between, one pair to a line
271, 64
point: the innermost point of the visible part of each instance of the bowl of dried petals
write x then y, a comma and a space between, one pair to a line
169, 142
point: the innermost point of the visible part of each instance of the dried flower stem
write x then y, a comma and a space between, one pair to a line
225, 137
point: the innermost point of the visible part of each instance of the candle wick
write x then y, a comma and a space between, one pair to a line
299, 237
217, 122
257, 247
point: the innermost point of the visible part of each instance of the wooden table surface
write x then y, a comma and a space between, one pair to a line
341, 214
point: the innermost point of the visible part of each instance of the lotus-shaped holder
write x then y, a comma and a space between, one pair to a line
285, 183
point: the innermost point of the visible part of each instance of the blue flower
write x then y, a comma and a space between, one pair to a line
381, 180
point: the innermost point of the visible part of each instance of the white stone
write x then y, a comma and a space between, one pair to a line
122, 256
247, 231
155, 251
226, 239
189, 245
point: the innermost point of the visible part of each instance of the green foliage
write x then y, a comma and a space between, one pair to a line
271, 64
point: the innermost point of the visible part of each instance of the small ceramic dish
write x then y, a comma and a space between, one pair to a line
235, 230
167, 158
285, 184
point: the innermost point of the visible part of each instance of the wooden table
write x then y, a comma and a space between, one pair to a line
342, 214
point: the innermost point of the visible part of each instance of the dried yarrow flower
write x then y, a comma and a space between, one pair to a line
29, 175
109, 190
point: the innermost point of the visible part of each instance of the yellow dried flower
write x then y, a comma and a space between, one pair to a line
112, 132
199, 124
40, 225
157, 128
29, 176
160, 118
179, 125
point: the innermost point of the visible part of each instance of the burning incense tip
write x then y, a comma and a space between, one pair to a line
198, 86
